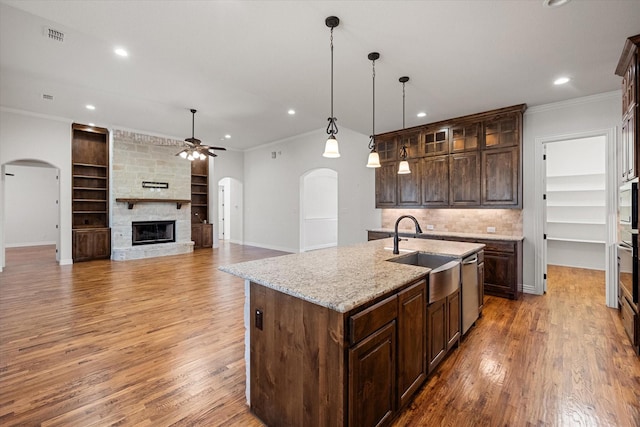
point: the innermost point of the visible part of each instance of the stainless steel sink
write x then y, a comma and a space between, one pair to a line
444, 277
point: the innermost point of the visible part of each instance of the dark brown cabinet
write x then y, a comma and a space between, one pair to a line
202, 235
372, 376
386, 185
467, 162
91, 235
91, 244
628, 69
201, 230
500, 177
412, 334
434, 172
443, 328
480, 284
464, 173
409, 185
503, 268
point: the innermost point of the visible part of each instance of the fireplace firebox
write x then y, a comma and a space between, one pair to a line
150, 232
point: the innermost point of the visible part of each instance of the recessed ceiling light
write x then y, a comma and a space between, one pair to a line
291, 112
90, 107
421, 114
561, 80
554, 3
121, 52
227, 136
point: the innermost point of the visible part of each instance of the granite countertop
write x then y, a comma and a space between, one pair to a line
485, 236
343, 278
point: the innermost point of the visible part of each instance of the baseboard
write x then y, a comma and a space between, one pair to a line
27, 244
272, 247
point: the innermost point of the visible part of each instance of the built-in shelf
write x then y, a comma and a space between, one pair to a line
132, 202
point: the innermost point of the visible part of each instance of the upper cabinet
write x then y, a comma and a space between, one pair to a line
628, 70
471, 161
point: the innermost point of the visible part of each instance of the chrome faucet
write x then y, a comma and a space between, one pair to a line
396, 239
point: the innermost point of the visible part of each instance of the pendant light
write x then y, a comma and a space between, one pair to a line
331, 147
403, 167
374, 158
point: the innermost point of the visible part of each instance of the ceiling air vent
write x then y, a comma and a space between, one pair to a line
54, 34
47, 97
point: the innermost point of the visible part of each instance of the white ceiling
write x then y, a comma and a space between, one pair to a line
243, 64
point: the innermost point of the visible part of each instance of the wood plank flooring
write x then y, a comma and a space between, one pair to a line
160, 342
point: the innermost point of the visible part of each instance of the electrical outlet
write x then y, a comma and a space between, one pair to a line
491, 229
430, 227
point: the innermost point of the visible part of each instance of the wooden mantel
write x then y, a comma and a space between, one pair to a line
132, 202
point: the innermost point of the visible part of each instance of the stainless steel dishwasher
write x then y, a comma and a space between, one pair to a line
469, 291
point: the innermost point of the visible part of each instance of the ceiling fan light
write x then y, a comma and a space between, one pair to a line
202, 156
190, 157
374, 160
331, 148
183, 154
403, 168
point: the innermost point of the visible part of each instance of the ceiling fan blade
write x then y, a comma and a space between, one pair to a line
183, 151
209, 147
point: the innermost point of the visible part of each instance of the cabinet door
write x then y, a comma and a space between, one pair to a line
464, 171
102, 243
503, 131
453, 319
412, 142
435, 181
500, 277
500, 170
386, 148
435, 141
437, 333
372, 378
412, 368
82, 245
386, 180
465, 137
409, 185
207, 235
629, 146
196, 235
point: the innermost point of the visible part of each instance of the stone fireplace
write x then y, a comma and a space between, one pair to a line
137, 158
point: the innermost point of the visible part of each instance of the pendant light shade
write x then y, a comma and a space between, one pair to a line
331, 147
374, 158
403, 167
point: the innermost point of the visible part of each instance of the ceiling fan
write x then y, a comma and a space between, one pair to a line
196, 150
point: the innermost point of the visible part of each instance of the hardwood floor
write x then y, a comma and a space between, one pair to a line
160, 342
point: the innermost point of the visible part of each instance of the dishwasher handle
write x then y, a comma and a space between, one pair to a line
471, 260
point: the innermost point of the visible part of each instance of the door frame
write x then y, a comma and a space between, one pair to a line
611, 286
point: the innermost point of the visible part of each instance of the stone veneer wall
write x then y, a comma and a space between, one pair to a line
137, 158
508, 222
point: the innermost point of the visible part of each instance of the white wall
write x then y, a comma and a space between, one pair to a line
31, 211
593, 113
24, 136
319, 206
272, 196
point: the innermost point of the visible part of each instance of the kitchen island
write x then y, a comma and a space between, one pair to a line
340, 336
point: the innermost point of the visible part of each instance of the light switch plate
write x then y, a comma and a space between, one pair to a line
430, 227
491, 229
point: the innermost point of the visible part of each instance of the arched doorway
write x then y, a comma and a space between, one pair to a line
30, 212
318, 209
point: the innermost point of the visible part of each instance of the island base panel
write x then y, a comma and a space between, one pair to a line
297, 361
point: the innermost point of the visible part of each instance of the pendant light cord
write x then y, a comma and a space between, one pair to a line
332, 128
402, 105
372, 143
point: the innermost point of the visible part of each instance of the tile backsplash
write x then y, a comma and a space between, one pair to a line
507, 222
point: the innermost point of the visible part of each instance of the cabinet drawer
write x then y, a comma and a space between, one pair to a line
492, 245
629, 321
371, 319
